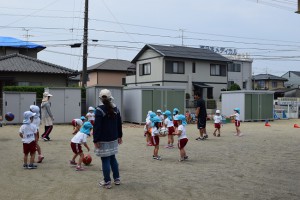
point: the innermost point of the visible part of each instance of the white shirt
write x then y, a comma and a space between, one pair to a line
168, 122
28, 131
218, 119
90, 116
161, 117
155, 131
183, 132
237, 116
36, 121
78, 122
79, 138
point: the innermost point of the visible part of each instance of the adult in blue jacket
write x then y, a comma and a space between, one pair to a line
107, 136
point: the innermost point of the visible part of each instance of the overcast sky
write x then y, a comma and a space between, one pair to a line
267, 30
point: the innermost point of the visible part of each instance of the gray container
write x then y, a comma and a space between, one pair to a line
255, 105
17, 103
65, 104
139, 100
92, 96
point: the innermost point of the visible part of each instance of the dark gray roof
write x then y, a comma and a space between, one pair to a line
267, 77
183, 52
112, 64
22, 63
295, 72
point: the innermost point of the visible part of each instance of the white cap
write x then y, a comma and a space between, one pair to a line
27, 116
105, 92
218, 111
91, 108
158, 111
47, 94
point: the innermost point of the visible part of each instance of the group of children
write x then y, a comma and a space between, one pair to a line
158, 123
29, 132
175, 125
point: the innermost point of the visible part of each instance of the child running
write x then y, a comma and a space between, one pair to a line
155, 136
218, 121
182, 137
28, 132
37, 121
237, 121
91, 115
168, 122
77, 140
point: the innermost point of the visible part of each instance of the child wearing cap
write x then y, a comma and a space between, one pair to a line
217, 122
155, 136
182, 137
77, 123
148, 127
91, 115
77, 140
168, 122
28, 133
37, 121
175, 113
237, 121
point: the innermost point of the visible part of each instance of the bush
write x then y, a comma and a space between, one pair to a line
234, 87
38, 89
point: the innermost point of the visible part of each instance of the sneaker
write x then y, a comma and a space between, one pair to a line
72, 162
214, 134
149, 144
167, 146
104, 184
200, 139
45, 139
40, 159
181, 159
117, 181
156, 157
235, 134
185, 157
25, 166
205, 136
241, 134
218, 135
32, 166
79, 168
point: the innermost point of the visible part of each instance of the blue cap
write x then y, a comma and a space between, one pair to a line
168, 114
181, 118
175, 110
86, 128
82, 118
237, 110
152, 114
155, 120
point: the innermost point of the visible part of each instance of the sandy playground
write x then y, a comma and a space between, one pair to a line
263, 164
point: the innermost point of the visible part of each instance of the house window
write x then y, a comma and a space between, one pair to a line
145, 69
194, 68
244, 84
174, 67
217, 70
274, 84
234, 67
261, 84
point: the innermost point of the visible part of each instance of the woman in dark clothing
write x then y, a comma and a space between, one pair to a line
107, 136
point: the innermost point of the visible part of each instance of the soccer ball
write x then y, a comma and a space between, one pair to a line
87, 159
9, 116
163, 131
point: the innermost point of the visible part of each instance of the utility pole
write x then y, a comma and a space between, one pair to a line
85, 44
298, 11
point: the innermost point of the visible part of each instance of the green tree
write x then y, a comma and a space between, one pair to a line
234, 87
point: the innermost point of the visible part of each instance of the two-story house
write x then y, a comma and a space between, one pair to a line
293, 79
268, 82
194, 68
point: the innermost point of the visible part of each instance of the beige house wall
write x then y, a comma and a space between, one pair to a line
268, 84
111, 78
92, 79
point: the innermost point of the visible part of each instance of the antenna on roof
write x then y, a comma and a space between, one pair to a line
27, 36
182, 30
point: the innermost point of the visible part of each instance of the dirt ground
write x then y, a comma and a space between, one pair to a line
263, 164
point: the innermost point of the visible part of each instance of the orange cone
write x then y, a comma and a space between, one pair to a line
267, 124
296, 126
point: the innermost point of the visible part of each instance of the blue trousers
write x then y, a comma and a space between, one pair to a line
108, 163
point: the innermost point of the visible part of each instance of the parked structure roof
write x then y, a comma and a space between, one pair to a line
22, 63
112, 65
16, 43
182, 52
267, 77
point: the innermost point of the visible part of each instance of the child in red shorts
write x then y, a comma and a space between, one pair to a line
182, 137
218, 122
28, 133
155, 136
77, 140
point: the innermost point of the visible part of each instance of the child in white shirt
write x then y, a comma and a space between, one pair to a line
237, 121
37, 121
182, 137
28, 133
168, 122
218, 122
91, 115
77, 140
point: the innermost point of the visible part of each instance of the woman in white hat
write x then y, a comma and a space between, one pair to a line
47, 117
107, 136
